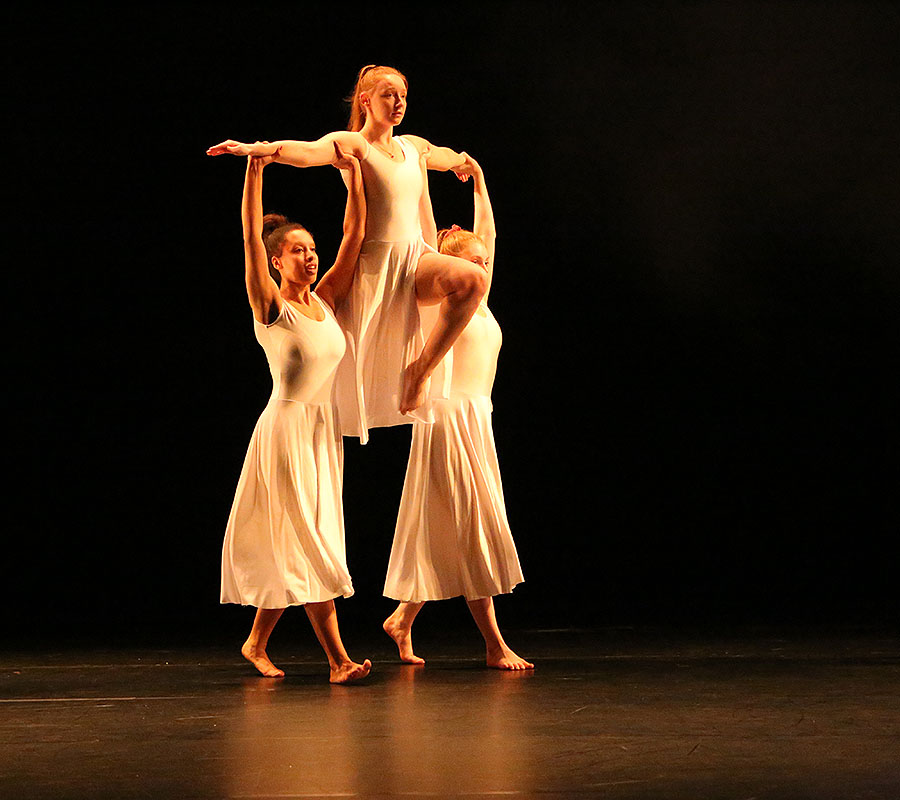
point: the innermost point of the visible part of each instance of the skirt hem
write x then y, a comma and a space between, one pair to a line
421, 599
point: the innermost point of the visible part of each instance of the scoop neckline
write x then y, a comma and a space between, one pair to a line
399, 141
285, 301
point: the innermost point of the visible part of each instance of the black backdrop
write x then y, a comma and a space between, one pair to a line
697, 208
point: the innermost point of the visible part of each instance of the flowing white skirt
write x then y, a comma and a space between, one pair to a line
452, 536
384, 334
284, 542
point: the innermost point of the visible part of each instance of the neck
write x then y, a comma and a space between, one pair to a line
297, 292
380, 133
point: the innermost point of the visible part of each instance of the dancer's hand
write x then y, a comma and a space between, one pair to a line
343, 160
231, 147
256, 163
468, 168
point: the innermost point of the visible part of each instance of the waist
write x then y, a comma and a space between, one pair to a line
464, 396
393, 235
321, 400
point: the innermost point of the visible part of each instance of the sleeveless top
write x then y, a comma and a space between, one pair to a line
474, 353
393, 189
303, 353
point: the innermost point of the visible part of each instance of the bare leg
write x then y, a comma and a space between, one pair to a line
499, 656
254, 649
323, 618
458, 286
399, 627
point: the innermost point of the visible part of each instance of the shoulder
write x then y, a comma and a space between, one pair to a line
353, 141
325, 301
421, 145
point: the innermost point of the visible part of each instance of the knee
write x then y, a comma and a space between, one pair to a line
470, 283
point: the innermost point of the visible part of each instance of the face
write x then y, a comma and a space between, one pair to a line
386, 102
476, 253
298, 261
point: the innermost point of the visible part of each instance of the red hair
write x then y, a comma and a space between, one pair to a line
365, 81
452, 241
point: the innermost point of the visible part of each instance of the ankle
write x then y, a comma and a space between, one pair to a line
497, 648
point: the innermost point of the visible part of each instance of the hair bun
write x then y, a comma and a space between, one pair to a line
272, 222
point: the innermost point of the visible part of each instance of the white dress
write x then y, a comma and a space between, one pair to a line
452, 536
380, 314
284, 542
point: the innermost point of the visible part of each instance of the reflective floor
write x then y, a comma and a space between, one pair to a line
606, 714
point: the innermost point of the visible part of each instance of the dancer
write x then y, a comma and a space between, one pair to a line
284, 542
391, 368
452, 536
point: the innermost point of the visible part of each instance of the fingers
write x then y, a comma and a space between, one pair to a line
342, 160
221, 148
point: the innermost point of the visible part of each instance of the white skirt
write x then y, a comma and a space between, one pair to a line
384, 334
284, 542
452, 536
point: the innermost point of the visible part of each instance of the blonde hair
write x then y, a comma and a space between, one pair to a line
452, 241
367, 78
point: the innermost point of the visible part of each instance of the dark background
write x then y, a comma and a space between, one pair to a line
696, 274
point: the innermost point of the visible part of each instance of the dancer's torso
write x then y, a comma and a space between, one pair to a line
393, 190
303, 354
475, 352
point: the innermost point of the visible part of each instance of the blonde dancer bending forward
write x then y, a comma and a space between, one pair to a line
284, 542
452, 536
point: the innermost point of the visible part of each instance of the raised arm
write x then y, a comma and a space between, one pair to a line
335, 284
484, 215
426, 212
262, 291
296, 153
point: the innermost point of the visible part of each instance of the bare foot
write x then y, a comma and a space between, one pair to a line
403, 639
350, 672
413, 389
260, 660
507, 659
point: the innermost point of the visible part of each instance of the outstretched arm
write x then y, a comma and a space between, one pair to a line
296, 153
484, 214
262, 291
437, 158
335, 284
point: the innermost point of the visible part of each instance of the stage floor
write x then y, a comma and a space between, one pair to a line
606, 713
